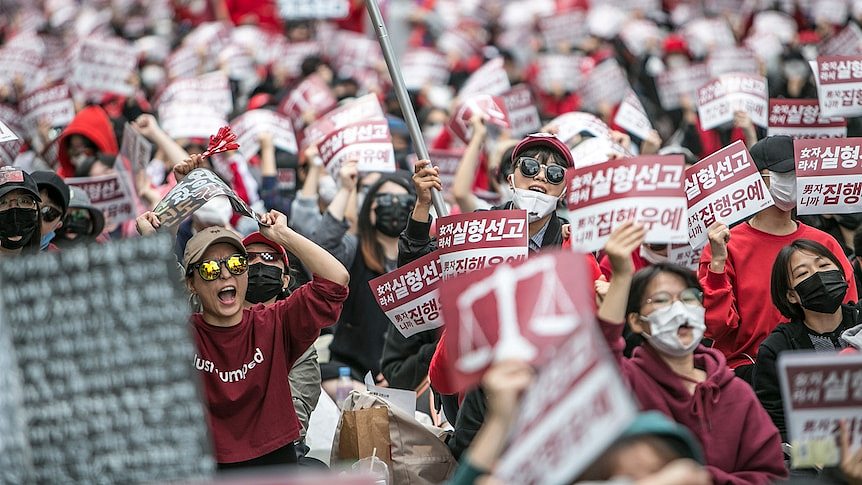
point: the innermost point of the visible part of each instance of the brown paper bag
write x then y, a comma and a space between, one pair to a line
362, 431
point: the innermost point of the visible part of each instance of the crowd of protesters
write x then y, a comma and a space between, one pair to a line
288, 300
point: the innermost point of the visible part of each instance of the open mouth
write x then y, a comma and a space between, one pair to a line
538, 188
684, 330
227, 295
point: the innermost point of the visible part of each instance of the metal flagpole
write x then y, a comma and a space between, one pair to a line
403, 97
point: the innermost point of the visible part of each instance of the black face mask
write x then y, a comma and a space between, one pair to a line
17, 222
264, 283
80, 227
392, 218
823, 291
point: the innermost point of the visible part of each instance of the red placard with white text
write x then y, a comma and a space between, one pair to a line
800, 118
523, 114
828, 176
472, 241
819, 390
720, 98
311, 97
367, 142
647, 189
839, 85
724, 186
360, 109
521, 309
410, 295
103, 67
492, 108
448, 160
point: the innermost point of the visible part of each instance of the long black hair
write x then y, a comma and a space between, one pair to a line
371, 249
781, 275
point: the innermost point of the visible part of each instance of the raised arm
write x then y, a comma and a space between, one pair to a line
462, 187
147, 125
716, 276
318, 261
415, 241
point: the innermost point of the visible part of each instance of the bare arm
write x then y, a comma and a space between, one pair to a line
466, 172
147, 125
315, 258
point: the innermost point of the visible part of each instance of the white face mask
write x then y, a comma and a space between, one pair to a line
782, 186
651, 256
665, 323
537, 204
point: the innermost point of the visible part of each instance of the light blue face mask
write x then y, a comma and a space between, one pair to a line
46, 240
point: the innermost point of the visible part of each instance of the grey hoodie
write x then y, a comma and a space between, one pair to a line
853, 337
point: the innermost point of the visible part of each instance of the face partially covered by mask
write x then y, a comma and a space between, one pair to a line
392, 211
264, 282
823, 291
17, 227
782, 186
665, 324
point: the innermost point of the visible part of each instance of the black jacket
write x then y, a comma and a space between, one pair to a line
406, 360
786, 337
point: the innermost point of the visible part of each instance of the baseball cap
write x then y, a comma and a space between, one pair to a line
78, 199
678, 437
258, 238
51, 182
203, 239
12, 178
774, 153
543, 140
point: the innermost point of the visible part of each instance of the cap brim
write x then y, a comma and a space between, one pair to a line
783, 166
195, 257
9, 188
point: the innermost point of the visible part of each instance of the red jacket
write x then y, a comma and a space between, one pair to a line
93, 123
740, 443
638, 260
245, 369
739, 309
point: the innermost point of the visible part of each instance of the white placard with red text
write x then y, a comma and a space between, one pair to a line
563, 29
724, 186
819, 390
184, 120
447, 160
684, 255
6, 134
211, 90
828, 176
366, 142
839, 85
558, 73
489, 79
720, 98
672, 85
360, 109
110, 194
251, 124
647, 189
135, 148
311, 98
53, 104
9, 152
103, 67
20, 64
410, 295
424, 67
606, 84
472, 241
800, 118
847, 42
313, 9
631, 116
570, 124
523, 114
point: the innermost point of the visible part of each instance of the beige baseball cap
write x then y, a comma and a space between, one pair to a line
203, 239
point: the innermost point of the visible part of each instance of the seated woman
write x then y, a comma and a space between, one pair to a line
674, 374
808, 287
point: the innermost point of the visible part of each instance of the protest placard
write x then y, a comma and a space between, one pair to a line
251, 124
313, 9
847, 42
111, 194
135, 148
605, 85
101, 335
558, 73
186, 120
828, 176
363, 108
6, 133
684, 255
353, 55
9, 151
491, 108
490, 79
454, 41
400, 398
675, 83
819, 390
631, 116
53, 104
720, 98
20, 65
447, 159
423, 66
191, 193
475, 240
104, 66
839, 85
639, 34
522, 111
704, 34
733, 59
289, 56
211, 90
366, 142
521, 309
312, 97
800, 118
10, 117
563, 30
183, 63
410, 295
578, 402
646, 189
724, 186
568, 125
595, 150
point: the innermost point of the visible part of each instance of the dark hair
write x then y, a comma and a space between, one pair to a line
310, 64
543, 155
781, 275
857, 242
371, 249
644, 277
506, 165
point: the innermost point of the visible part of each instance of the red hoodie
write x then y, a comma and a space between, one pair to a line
93, 123
748, 452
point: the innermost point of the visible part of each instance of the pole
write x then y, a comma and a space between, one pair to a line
403, 97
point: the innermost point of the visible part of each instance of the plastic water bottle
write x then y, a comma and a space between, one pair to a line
345, 385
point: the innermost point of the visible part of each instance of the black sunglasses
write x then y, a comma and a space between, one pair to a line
50, 214
530, 167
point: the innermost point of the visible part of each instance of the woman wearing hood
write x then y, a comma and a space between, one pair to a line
674, 374
808, 287
89, 136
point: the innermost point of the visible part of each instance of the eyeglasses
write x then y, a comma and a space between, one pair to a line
530, 167
210, 270
50, 214
266, 256
388, 199
21, 202
690, 297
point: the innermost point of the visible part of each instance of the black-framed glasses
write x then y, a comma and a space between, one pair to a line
265, 256
210, 270
50, 214
530, 167
689, 297
388, 199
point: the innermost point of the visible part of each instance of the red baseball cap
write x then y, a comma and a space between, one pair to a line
544, 140
257, 237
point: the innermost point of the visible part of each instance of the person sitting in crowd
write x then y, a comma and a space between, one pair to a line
735, 267
20, 219
55, 196
83, 222
674, 374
